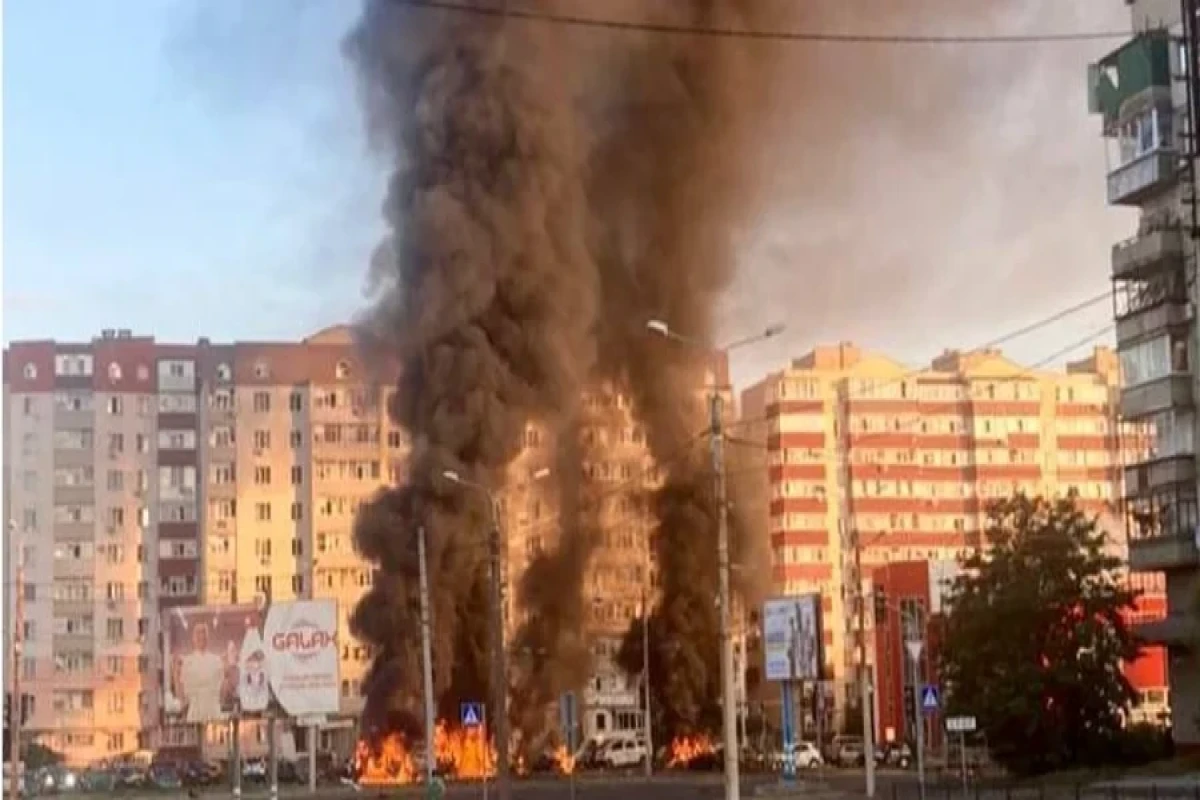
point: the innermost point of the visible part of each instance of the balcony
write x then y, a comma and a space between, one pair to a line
1163, 394
1134, 258
1154, 320
1176, 629
1141, 65
1151, 476
1132, 183
1163, 553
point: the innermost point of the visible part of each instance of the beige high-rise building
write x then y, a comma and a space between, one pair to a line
870, 462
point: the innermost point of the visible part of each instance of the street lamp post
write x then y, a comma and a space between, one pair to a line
717, 443
496, 612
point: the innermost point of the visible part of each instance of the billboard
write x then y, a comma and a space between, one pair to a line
202, 656
224, 659
792, 641
302, 656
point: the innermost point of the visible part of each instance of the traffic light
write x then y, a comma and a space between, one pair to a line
880, 607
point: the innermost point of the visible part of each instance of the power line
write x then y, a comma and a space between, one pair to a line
572, 20
998, 341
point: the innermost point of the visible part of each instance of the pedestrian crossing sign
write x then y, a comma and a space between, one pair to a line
929, 698
471, 714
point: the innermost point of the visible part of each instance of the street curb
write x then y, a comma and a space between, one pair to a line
812, 790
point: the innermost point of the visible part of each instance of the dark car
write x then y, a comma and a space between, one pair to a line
164, 776
199, 774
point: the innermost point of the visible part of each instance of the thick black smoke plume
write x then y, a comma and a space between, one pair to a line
554, 188
534, 224
485, 298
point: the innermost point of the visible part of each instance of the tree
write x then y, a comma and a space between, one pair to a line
1035, 638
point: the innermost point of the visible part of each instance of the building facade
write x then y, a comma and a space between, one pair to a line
1146, 93
872, 463
141, 475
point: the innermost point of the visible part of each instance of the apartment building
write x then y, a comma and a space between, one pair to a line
1147, 94
872, 463
620, 473
95, 446
143, 475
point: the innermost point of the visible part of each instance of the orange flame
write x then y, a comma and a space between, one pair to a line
391, 761
564, 761
387, 763
685, 748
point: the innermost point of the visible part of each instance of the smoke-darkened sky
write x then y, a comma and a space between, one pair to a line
920, 197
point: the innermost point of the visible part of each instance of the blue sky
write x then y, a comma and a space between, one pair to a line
189, 168
182, 168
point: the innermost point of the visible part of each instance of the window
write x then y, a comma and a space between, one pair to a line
262, 584
342, 370
296, 439
262, 402
116, 405
224, 373
223, 400
116, 480
295, 401
298, 584
177, 440
223, 474
260, 370
262, 476
30, 372
114, 371
262, 511
115, 629
222, 437
143, 443
297, 512
262, 440
143, 373
116, 516
1153, 359
1143, 134
297, 475
116, 443
297, 547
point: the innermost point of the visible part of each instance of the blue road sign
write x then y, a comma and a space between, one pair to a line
471, 714
929, 698
568, 719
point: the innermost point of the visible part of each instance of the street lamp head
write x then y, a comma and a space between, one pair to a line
541, 474
451, 476
659, 327
774, 330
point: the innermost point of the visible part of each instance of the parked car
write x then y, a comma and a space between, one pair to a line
165, 776
898, 755
622, 752
848, 751
806, 753
130, 776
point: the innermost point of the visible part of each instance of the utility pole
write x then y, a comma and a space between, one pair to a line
499, 673
17, 706
646, 725
864, 670
235, 724
728, 699
426, 662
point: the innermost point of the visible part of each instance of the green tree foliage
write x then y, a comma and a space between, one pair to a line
1035, 637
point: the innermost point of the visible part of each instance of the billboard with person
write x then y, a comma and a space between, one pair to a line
219, 660
792, 640
202, 655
